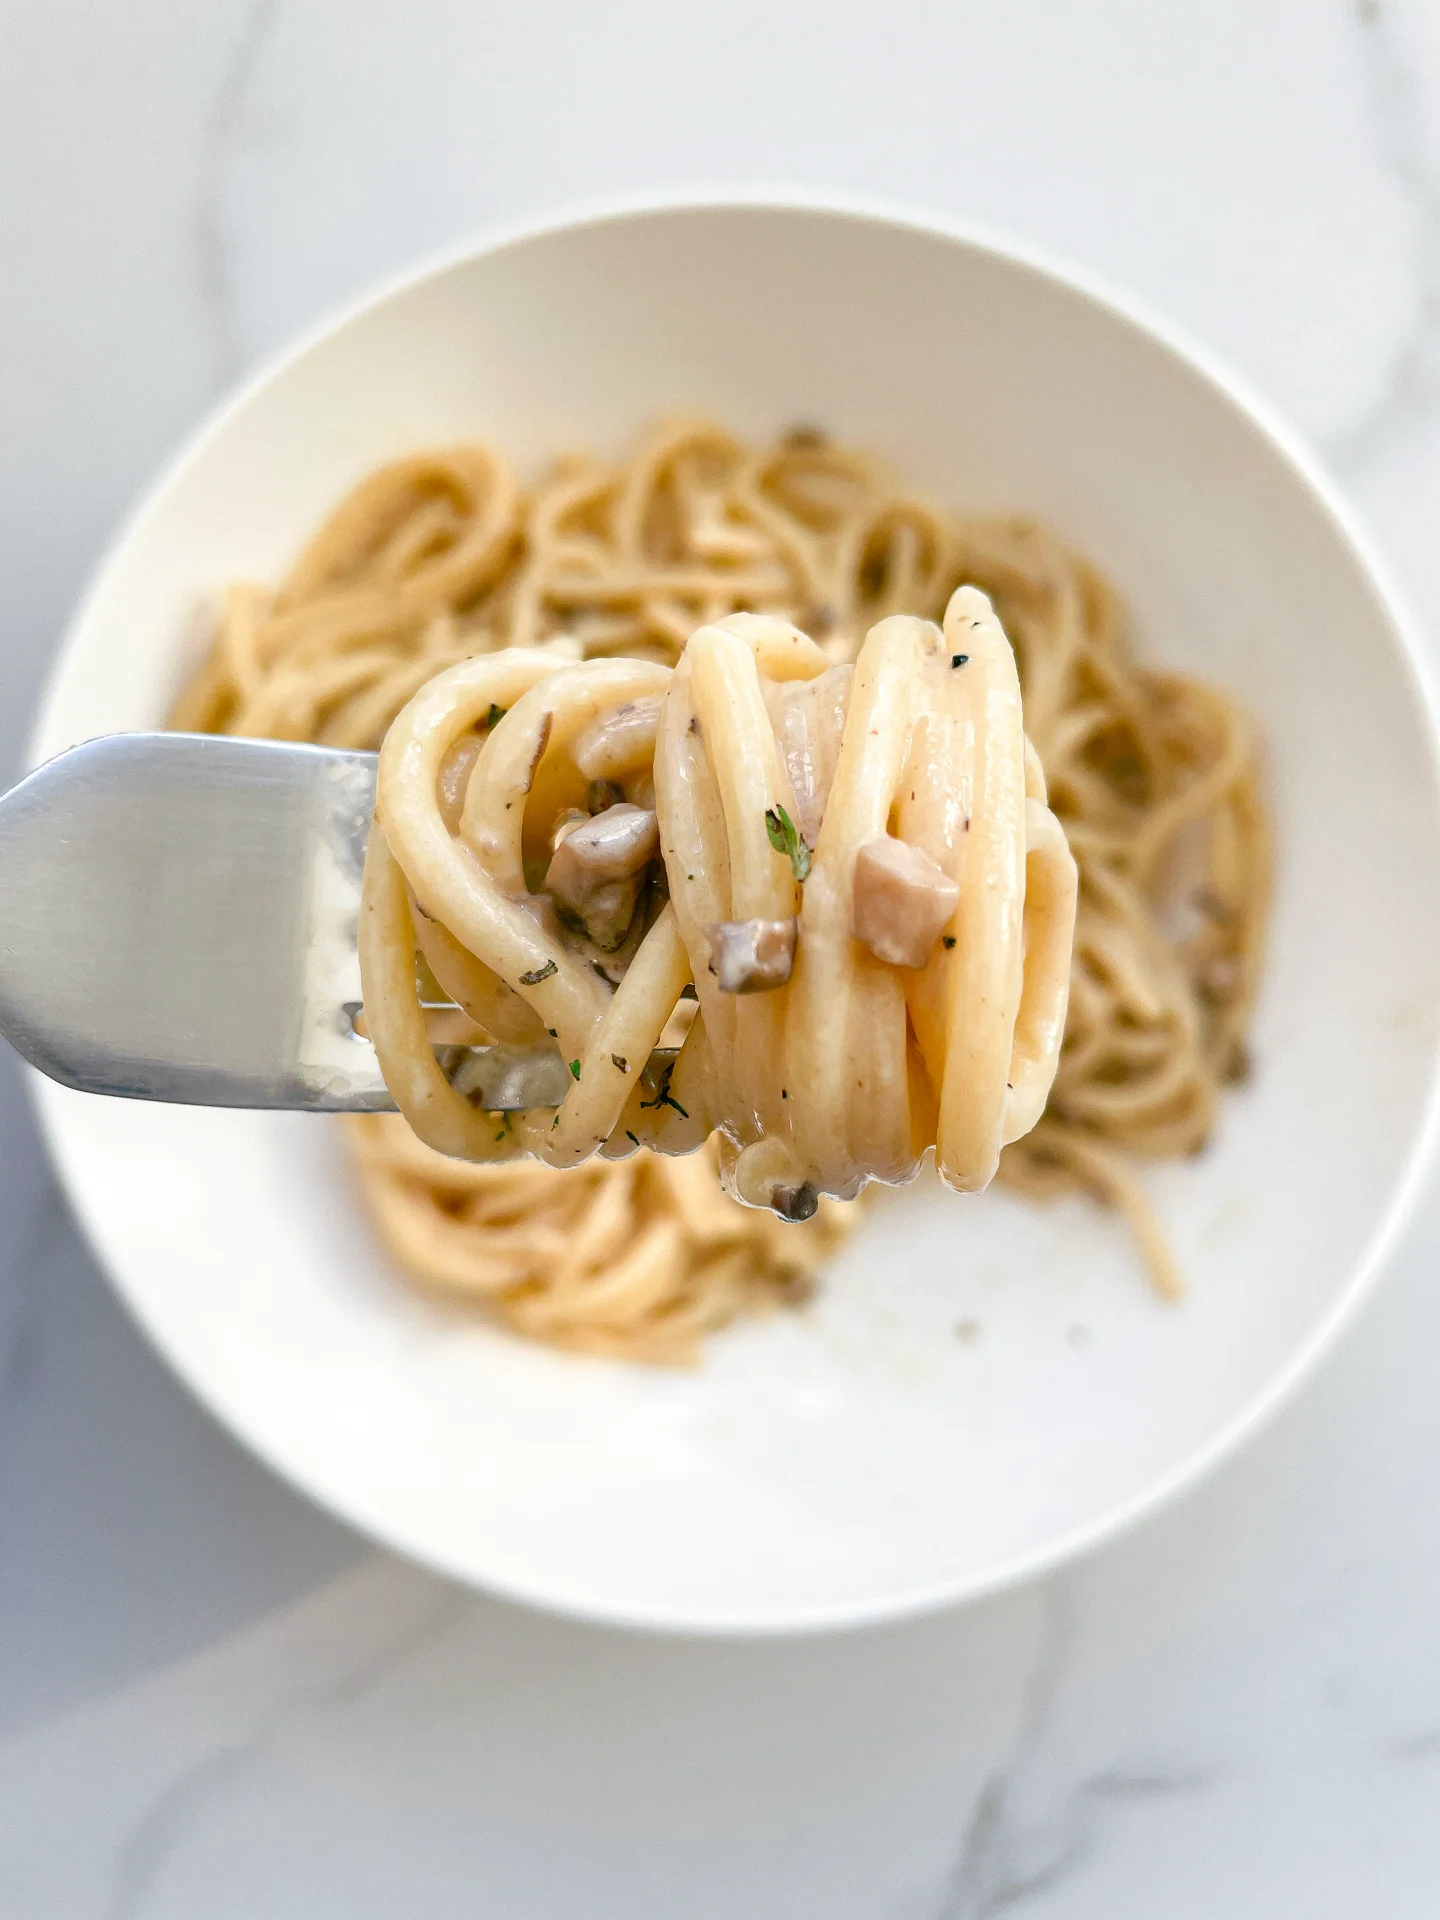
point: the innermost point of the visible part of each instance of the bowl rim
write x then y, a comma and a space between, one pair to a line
1260, 415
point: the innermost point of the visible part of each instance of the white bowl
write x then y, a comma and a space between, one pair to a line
859, 1460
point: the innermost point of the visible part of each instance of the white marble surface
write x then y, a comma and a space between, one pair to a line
214, 1701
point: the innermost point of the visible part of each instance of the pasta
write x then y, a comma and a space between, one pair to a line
440, 557
634, 1260
498, 943
939, 882
903, 990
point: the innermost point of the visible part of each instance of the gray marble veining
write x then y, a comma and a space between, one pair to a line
224, 126
1398, 104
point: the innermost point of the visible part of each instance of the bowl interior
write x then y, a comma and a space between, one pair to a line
860, 1458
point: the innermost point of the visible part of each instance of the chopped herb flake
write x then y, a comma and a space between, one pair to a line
619, 1060
631, 1136
540, 973
785, 838
575, 1068
664, 1097
495, 715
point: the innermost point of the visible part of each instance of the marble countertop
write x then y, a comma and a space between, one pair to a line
213, 1700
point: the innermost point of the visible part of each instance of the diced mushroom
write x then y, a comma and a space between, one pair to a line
901, 902
566, 824
796, 1203
618, 741
598, 868
751, 956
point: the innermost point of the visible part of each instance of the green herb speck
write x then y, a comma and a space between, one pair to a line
785, 838
664, 1097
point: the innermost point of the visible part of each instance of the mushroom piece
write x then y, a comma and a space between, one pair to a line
901, 901
751, 956
566, 824
598, 868
796, 1203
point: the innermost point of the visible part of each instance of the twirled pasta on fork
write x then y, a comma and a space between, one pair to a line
853, 870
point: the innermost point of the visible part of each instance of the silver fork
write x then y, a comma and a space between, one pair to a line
178, 915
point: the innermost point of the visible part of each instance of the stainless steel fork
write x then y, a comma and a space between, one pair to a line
178, 917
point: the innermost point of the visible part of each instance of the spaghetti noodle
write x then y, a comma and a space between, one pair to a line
440, 556
636, 1259
899, 991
